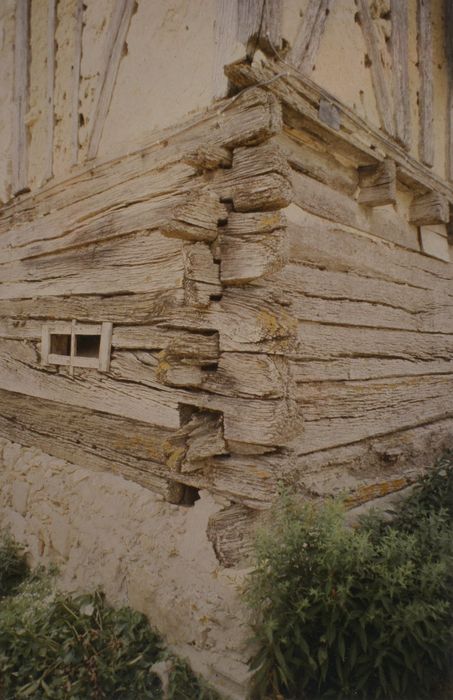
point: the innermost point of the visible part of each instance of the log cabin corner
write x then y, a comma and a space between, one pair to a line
226, 262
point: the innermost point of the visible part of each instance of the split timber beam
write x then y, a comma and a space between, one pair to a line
303, 105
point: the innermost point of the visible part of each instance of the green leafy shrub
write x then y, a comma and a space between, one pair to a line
184, 685
75, 648
360, 613
80, 648
13, 566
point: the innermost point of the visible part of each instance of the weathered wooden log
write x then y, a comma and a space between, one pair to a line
253, 223
258, 179
147, 307
245, 120
209, 156
380, 85
131, 449
425, 68
145, 202
138, 263
356, 139
308, 37
94, 439
231, 533
314, 239
201, 274
21, 97
399, 42
378, 184
197, 218
116, 35
307, 155
346, 412
178, 372
328, 342
248, 375
251, 256
431, 208
194, 445
365, 367
364, 463
263, 193
259, 24
342, 296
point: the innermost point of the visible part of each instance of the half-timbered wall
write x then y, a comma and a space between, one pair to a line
273, 273
226, 259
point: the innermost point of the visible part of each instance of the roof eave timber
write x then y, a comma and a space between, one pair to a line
305, 102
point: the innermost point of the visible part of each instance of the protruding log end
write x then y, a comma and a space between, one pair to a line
378, 184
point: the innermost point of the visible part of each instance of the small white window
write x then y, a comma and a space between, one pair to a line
77, 345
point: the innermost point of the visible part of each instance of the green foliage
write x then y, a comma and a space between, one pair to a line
184, 685
75, 648
13, 567
362, 613
80, 648
432, 494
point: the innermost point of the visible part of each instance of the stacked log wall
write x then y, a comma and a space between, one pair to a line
196, 394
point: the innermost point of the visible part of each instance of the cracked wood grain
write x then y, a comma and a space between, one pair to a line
306, 44
116, 36
399, 41
381, 90
51, 26
337, 413
356, 139
21, 95
77, 59
425, 68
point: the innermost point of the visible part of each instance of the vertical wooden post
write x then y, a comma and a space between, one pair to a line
117, 32
105, 346
400, 66
21, 92
448, 8
381, 89
51, 25
425, 67
259, 21
224, 36
309, 35
76, 81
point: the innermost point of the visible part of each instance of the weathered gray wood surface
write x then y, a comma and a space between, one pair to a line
431, 208
355, 139
78, 30
115, 38
135, 450
425, 68
399, 41
259, 24
268, 296
378, 184
372, 468
306, 44
21, 88
51, 26
343, 413
250, 119
137, 263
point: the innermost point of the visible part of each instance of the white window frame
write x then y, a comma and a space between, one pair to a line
74, 329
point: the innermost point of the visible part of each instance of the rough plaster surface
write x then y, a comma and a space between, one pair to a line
141, 550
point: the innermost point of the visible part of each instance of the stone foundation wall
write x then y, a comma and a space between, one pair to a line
101, 530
